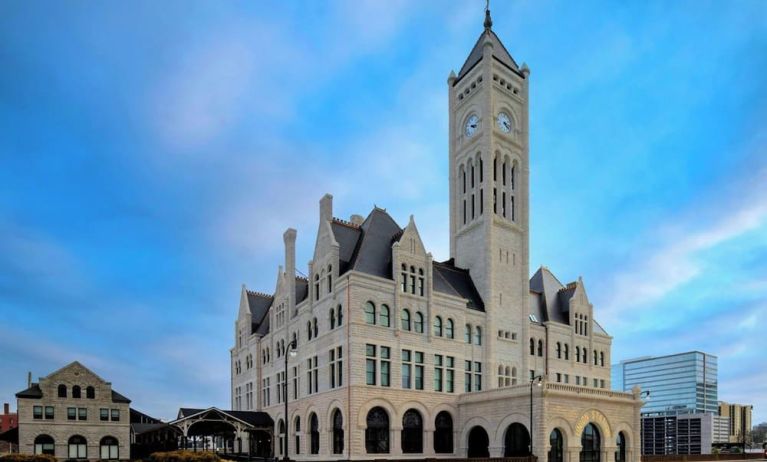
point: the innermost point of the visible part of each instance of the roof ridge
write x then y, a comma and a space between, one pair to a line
451, 267
260, 294
348, 224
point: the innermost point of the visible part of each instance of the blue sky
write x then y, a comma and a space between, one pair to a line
152, 154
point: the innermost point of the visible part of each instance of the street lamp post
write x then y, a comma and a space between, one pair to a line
290, 352
535, 380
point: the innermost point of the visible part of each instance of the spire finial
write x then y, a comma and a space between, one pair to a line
488, 19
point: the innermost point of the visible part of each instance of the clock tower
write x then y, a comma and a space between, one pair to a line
489, 195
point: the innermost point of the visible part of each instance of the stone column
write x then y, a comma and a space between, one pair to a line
496, 451
572, 454
428, 443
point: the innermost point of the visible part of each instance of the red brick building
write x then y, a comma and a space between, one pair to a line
8, 420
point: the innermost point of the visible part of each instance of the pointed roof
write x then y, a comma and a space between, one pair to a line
500, 53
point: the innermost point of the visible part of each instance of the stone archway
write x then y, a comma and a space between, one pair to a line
516, 441
478, 442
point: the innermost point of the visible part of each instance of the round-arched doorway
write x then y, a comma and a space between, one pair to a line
591, 444
556, 446
516, 441
620, 447
478, 442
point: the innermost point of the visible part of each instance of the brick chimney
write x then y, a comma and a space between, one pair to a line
6, 408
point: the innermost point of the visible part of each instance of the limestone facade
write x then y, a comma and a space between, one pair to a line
400, 356
74, 414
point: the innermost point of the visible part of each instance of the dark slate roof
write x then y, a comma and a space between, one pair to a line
500, 53
141, 428
347, 235
118, 398
33, 392
372, 254
259, 308
550, 300
302, 289
448, 279
257, 419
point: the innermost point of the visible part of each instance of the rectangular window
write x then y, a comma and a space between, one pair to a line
332, 367
559, 377
370, 364
596, 383
438, 372
71, 413
295, 382
385, 366
115, 415
103, 414
82, 413
406, 369
477, 376
532, 374
467, 376
567, 378
577, 379
48, 412
419, 370
601, 383
450, 374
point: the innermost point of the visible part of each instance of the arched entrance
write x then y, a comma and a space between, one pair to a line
516, 441
478, 442
377, 431
443, 433
412, 432
556, 446
620, 449
591, 444
260, 443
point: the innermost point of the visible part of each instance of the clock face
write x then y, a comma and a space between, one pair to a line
471, 125
504, 122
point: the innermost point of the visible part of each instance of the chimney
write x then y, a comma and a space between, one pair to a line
6, 408
356, 219
326, 208
29, 379
290, 251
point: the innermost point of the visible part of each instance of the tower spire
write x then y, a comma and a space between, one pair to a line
488, 19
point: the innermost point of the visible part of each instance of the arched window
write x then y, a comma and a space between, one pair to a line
516, 441
556, 446
76, 391
418, 322
316, 286
450, 329
540, 347
508, 376
567, 351
443, 433
338, 432
412, 432
620, 448
591, 444
295, 339
467, 333
281, 437
377, 432
370, 313
532, 346
384, 319
90, 392
438, 326
44, 444
577, 354
309, 330
109, 448
477, 335
595, 357
340, 315
330, 278
332, 318
297, 430
602, 358
78, 448
62, 391
314, 322
513, 375
314, 429
405, 319
559, 350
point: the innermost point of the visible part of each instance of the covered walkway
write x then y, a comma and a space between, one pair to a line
227, 432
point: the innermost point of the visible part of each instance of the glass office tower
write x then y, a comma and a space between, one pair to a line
679, 384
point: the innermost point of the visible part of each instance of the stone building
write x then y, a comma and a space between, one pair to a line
74, 414
739, 416
398, 355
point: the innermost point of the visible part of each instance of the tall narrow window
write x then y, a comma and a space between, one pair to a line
532, 346
62, 391
370, 313
76, 391
438, 326
370, 364
405, 319
478, 335
314, 426
384, 319
418, 322
412, 432
377, 431
540, 347
467, 333
385, 353
450, 329
407, 368
338, 432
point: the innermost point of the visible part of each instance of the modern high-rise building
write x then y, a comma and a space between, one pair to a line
682, 383
739, 416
